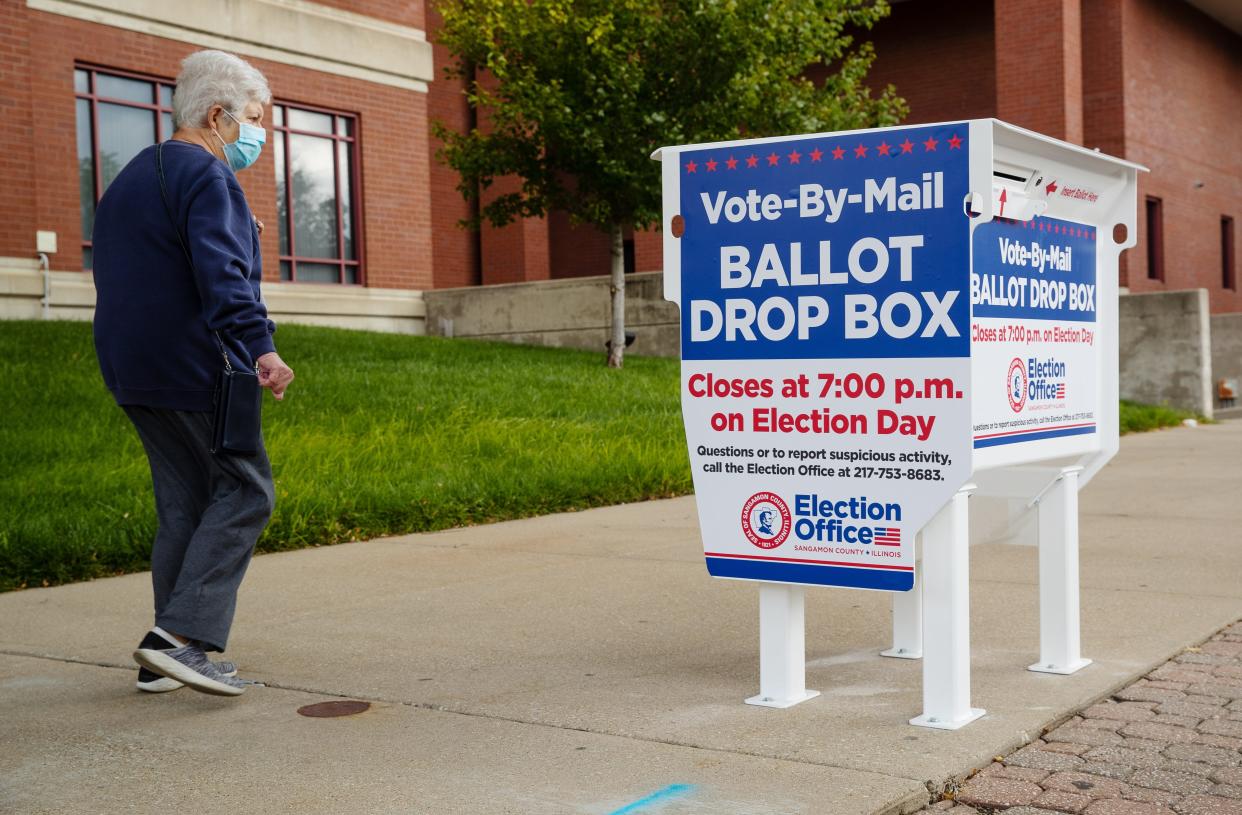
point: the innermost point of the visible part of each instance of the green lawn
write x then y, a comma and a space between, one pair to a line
381, 434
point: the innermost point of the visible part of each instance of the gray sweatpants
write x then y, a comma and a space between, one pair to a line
211, 511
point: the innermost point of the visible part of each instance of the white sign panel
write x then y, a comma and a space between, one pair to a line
1035, 339
826, 374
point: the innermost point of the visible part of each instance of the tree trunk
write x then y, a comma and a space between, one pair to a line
616, 344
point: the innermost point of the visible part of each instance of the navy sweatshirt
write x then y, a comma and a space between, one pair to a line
154, 314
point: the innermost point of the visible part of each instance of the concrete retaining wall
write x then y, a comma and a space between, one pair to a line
561, 313
1226, 359
1166, 349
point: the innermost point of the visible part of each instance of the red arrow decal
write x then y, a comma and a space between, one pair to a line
1003, 198
1051, 188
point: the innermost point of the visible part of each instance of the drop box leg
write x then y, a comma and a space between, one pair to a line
1058, 577
908, 621
946, 618
782, 647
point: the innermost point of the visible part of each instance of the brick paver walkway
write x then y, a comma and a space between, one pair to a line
1169, 744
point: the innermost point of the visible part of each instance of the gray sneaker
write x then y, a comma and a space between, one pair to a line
189, 665
151, 682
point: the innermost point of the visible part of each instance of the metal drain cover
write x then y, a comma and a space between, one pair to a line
328, 710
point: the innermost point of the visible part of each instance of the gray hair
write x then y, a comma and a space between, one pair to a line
215, 78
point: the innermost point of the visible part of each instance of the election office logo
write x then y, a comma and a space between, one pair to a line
1037, 380
1047, 379
765, 520
1017, 385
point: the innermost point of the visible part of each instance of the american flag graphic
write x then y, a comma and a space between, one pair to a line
887, 536
1061, 390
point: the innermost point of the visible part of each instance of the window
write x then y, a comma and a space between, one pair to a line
118, 115
1228, 272
1155, 239
317, 194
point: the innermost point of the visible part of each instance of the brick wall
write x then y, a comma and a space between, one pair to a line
1103, 82
17, 161
39, 160
1157, 83
1103, 79
534, 249
1183, 119
648, 250
940, 58
455, 251
1038, 57
577, 251
1152, 81
515, 252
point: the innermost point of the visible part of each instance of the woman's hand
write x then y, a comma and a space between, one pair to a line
274, 374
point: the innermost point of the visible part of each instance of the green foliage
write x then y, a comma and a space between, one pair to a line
381, 434
578, 93
1138, 418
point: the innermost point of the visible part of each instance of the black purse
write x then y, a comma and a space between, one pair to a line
237, 419
238, 416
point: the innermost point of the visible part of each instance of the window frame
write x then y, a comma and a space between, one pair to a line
92, 98
1153, 210
282, 131
1228, 258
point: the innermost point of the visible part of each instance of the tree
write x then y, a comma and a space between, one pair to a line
576, 94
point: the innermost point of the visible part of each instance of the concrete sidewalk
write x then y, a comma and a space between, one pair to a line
585, 663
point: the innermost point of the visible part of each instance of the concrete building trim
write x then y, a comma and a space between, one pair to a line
23, 284
294, 32
398, 311
72, 297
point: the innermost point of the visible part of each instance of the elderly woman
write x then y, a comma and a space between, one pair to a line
177, 272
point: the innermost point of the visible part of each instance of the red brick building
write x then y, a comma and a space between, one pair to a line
1158, 82
361, 218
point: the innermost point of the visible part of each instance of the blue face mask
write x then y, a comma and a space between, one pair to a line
245, 151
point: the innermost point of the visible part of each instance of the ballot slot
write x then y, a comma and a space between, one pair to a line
1016, 191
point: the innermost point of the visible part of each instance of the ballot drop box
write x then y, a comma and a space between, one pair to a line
875, 325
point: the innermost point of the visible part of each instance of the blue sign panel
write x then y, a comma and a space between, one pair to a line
833, 246
1042, 268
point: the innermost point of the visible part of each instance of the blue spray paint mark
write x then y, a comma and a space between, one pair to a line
659, 796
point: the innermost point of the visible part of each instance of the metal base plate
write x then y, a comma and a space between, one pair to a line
902, 653
946, 724
768, 701
1073, 667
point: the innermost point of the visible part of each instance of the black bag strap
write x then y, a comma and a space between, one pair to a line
159, 170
